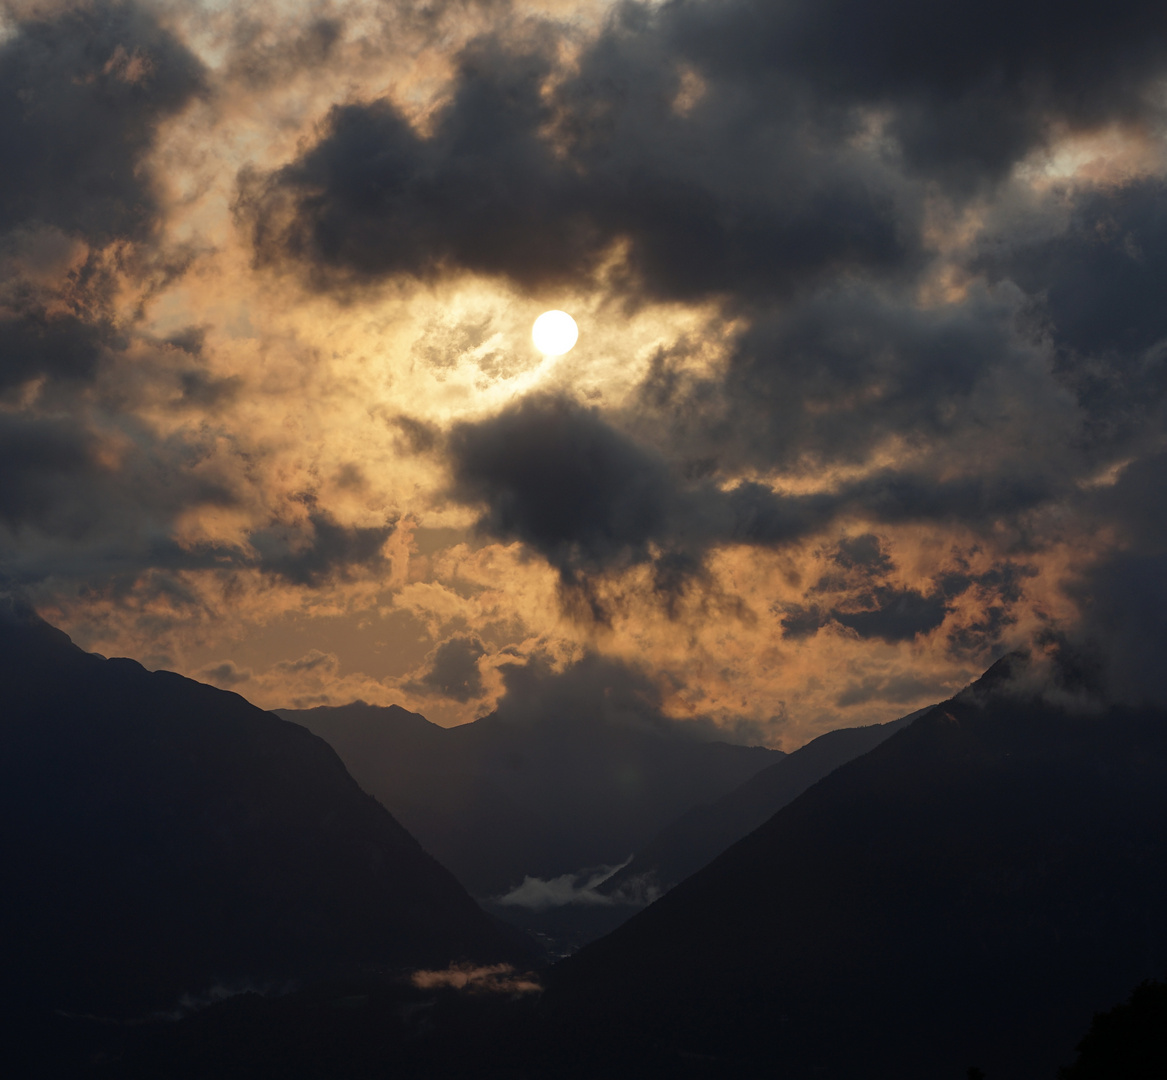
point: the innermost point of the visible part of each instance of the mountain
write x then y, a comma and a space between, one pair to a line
504, 798
703, 833
964, 895
1127, 1043
163, 838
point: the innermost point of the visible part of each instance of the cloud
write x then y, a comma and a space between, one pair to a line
225, 674
534, 174
537, 187
854, 370
591, 689
562, 479
44, 466
452, 670
894, 689
98, 495
1122, 595
259, 57
965, 100
537, 894
83, 89
308, 556
35, 343
894, 615
872, 359
1096, 282
312, 661
869, 603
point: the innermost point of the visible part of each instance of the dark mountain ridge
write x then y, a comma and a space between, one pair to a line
703, 833
965, 894
160, 836
502, 798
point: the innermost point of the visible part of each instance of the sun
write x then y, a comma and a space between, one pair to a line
554, 333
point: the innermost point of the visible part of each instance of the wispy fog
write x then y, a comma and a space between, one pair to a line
495, 978
539, 894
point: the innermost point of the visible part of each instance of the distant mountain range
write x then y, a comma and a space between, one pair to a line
504, 798
965, 895
962, 896
578, 910
161, 838
703, 833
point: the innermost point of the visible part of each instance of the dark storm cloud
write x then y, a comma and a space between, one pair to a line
82, 91
225, 674
197, 388
560, 478
593, 690
416, 436
1097, 287
453, 670
1094, 269
873, 608
779, 156
62, 346
866, 601
1123, 596
112, 503
997, 593
598, 691
852, 366
863, 553
66, 485
202, 391
746, 180
889, 614
325, 549
969, 87
491, 191
43, 464
896, 615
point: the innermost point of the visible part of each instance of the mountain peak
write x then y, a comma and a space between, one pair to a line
163, 836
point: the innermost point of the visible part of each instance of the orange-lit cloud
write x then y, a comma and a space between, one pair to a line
861, 398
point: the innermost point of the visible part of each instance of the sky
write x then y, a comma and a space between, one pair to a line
869, 387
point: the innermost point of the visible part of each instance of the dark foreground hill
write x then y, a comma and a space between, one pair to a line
966, 894
163, 838
703, 833
507, 797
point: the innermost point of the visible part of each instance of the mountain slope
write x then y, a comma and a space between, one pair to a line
502, 798
967, 893
703, 833
160, 837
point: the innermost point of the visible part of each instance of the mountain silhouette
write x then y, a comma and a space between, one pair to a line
965, 895
163, 838
703, 833
501, 798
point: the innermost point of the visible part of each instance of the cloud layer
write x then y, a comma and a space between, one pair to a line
870, 384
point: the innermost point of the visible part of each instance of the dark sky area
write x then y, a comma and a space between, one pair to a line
869, 389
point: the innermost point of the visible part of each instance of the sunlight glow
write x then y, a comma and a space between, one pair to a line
554, 333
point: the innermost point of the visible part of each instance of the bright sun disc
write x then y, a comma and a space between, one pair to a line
554, 333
